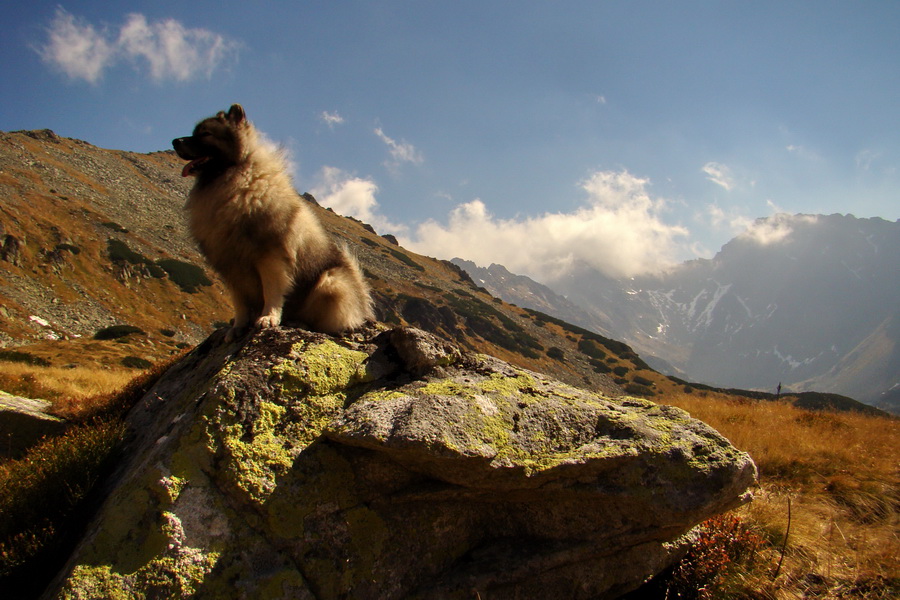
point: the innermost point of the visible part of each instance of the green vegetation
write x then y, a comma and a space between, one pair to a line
556, 353
17, 356
591, 349
117, 331
114, 226
405, 259
44, 494
620, 349
135, 362
185, 275
480, 318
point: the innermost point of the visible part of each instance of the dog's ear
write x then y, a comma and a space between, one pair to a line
236, 114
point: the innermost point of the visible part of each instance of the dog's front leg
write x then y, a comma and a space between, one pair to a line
241, 316
276, 278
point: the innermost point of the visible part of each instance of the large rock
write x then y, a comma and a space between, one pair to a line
23, 422
393, 465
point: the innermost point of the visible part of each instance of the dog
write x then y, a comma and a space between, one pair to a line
263, 239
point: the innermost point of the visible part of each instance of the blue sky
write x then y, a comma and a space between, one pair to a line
630, 135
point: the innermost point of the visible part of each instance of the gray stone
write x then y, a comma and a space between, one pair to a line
23, 422
393, 465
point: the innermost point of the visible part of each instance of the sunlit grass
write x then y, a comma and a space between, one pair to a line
59, 384
840, 474
43, 494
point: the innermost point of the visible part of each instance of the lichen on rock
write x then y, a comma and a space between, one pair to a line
390, 464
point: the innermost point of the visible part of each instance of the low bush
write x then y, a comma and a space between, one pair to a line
117, 331
27, 358
185, 275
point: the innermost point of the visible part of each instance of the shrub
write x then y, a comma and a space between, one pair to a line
725, 545
642, 381
621, 370
590, 348
185, 275
600, 367
39, 495
117, 331
135, 362
556, 353
637, 389
18, 356
405, 259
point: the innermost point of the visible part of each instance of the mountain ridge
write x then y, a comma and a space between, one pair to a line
772, 307
98, 270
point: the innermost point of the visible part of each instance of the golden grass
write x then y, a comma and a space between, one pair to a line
61, 385
841, 474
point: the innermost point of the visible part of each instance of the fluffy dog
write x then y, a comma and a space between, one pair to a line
262, 238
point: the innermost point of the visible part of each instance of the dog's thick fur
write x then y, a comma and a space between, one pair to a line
262, 238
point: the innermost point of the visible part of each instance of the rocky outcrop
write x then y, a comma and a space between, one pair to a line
23, 422
392, 465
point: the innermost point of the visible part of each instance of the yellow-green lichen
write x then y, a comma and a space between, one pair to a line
173, 576
255, 463
321, 369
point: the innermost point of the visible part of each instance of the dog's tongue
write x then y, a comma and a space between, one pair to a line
189, 168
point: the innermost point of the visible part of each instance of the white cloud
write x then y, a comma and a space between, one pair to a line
775, 228
619, 231
352, 197
719, 174
76, 48
401, 152
172, 51
331, 118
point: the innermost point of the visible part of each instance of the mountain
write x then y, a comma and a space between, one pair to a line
97, 268
808, 301
97, 271
526, 292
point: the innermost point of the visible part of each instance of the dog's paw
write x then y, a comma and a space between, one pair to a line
268, 321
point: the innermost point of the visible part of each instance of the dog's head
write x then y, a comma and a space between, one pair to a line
215, 144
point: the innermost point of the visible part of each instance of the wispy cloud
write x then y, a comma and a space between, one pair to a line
401, 152
619, 231
720, 175
170, 50
352, 196
331, 118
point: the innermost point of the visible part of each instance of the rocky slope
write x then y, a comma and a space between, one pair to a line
393, 464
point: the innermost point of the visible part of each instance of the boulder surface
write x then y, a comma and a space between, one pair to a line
389, 465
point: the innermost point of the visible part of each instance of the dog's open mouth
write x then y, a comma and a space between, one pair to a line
192, 167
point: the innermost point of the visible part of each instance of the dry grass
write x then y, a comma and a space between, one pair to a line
44, 494
841, 474
61, 385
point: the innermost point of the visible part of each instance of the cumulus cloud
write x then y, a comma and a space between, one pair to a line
719, 174
170, 50
352, 196
331, 118
775, 228
401, 152
619, 231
